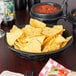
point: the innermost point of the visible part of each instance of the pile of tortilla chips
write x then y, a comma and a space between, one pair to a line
37, 38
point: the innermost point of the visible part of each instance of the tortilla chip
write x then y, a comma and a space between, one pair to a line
33, 46
31, 31
59, 39
46, 31
52, 47
58, 27
16, 47
21, 39
67, 40
61, 32
37, 23
39, 38
14, 28
11, 37
46, 47
51, 31
47, 39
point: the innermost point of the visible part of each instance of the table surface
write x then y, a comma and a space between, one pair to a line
9, 61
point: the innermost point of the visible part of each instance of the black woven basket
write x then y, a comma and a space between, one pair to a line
40, 56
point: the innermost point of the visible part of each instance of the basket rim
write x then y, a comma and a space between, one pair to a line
45, 53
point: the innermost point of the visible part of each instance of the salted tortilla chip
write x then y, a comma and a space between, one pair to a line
37, 23
46, 47
31, 31
52, 47
67, 40
11, 37
61, 32
16, 47
39, 38
19, 45
47, 39
47, 31
59, 39
33, 46
58, 27
53, 44
14, 28
26, 26
51, 31
21, 39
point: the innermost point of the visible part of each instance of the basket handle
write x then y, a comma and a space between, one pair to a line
64, 7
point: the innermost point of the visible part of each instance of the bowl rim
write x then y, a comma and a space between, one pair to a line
73, 22
72, 11
45, 53
43, 19
71, 17
53, 3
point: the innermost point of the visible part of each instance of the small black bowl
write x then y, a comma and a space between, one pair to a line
47, 18
72, 18
40, 56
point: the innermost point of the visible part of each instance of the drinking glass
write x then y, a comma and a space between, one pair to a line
32, 2
2, 33
20, 4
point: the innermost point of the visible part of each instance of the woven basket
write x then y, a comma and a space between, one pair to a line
40, 56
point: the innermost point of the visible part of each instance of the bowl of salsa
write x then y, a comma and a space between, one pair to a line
74, 14
47, 9
48, 12
72, 17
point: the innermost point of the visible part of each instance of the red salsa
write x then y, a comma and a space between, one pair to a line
74, 14
46, 9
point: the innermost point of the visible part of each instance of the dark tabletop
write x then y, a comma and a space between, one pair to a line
9, 61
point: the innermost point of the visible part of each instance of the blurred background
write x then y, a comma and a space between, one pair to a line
71, 3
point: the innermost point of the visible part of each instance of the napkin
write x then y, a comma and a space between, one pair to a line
9, 73
49, 64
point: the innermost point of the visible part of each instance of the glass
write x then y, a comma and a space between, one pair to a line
32, 2
2, 33
9, 10
9, 14
20, 4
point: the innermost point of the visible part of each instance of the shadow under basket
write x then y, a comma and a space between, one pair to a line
40, 56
